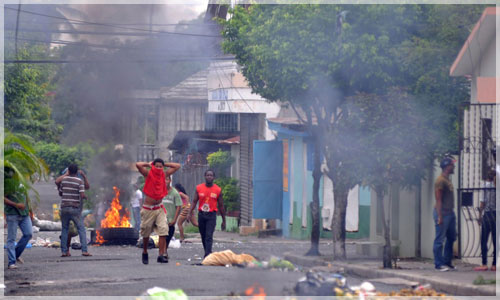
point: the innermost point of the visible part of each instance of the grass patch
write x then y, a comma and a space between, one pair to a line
191, 229
481, 281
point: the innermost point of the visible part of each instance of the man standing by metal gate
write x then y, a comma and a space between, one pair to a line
444, 217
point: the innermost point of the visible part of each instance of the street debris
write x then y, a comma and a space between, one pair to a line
335, 284
227, 257
278, 263
158, 293
322, 284
45, 225
175, 243
39, 242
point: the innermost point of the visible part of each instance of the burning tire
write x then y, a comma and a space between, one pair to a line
119, 236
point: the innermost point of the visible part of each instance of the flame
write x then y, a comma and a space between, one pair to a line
257, 295
98, 238
113, 218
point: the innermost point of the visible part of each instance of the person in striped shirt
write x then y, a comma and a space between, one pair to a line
73, 193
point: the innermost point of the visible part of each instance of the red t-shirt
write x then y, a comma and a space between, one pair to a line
207, 197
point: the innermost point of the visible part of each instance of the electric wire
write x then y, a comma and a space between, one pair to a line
111, 25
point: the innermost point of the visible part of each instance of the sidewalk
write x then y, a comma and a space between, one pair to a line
457, 282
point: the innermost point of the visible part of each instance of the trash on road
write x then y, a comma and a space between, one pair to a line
175, 243
158, 293
278, 263
227, 257
322, 284
45, 225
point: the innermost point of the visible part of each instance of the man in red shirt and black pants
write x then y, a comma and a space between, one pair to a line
210, 197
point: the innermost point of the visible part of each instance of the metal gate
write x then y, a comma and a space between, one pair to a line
477, 157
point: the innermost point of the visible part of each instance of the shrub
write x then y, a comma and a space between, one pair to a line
58, 157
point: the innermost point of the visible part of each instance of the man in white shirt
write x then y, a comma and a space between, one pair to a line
136, 206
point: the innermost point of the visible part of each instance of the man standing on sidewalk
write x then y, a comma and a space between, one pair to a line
153, 216
210, 197
444, 217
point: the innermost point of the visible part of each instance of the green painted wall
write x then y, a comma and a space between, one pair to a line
231, 224
298, 232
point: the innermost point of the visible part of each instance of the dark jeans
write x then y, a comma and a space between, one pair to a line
206, 225
488, 226
75, 214
447, 230
171, 231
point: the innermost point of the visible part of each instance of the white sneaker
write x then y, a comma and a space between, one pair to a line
20, 260
442, 269
13, 266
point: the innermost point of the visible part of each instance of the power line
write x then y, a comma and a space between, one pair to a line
222, 85
82, 44
87, 32
236, 89
111, 25
66, 61
123, 24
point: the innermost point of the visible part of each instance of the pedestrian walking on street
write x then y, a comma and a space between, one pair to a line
18, 213
488, 221
153, 214
444, 217
73, 192
136, 206
210, 197
185, 211
173, 203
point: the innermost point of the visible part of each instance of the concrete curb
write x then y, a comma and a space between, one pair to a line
442, 284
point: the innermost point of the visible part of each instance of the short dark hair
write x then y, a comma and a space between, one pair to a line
446, 162
180, 188
158, 160
209, 170
72, 169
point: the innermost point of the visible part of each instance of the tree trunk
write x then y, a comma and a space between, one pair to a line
387, 255
314, 251
338, 223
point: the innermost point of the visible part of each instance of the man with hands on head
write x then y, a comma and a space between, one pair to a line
153, 213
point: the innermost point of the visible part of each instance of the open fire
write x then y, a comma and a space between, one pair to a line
116, 227
113, 218
256, 291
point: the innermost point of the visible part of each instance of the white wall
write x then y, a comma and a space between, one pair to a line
407, 215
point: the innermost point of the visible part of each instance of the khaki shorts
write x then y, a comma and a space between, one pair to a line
153, 220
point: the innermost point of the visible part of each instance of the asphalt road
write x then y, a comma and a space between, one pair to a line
118, 271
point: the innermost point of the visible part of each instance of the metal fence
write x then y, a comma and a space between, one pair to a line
477, 156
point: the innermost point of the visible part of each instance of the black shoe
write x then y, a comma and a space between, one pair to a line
145, 259
451, 267
162, 259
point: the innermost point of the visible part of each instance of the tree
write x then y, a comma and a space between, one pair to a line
396, 147
313, 57
20, 166
425, 60
28, 94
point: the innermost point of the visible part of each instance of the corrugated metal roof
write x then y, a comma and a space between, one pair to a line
192, 89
